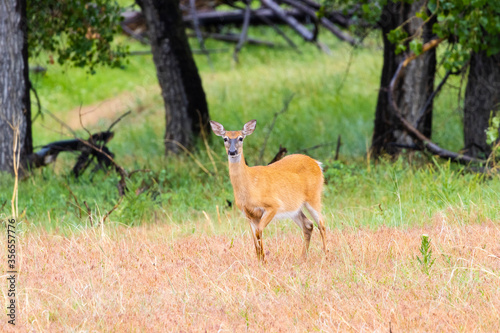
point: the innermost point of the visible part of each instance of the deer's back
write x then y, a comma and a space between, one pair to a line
287, 183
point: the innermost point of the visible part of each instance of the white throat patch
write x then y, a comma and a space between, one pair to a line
234, 158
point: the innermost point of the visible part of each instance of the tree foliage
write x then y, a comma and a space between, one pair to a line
79, 33
469, 25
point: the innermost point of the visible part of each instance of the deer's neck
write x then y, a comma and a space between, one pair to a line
238, 173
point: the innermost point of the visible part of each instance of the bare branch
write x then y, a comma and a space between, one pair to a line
423, 111
194, 51
280, 32
324, 20
134, 35
286, 103
38, 104
119, 119
123, 174
244, 31
290, 20
196, 25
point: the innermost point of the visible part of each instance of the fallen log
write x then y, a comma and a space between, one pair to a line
134, 20
233, 38
236, 17
94, 147
134, 24
323, 20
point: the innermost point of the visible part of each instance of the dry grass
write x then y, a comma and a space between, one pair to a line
145, 279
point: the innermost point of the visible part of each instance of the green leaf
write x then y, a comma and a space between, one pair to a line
422, 14
416, 46
366, 8
432, 5
400, 48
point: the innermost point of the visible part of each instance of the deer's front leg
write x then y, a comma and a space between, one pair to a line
253, 227
264, 221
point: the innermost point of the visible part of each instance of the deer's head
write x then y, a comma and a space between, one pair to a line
233, 140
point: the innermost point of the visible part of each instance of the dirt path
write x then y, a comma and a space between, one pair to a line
108, 109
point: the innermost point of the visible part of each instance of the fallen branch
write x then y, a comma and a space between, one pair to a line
290, 20
278, 30
199, 36
244, 31
131, 33
194, 51
232, 38
335, 16
134, 21
105, 152
324, 20
48, 153
230, 17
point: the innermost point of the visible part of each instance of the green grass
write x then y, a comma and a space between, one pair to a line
176, 190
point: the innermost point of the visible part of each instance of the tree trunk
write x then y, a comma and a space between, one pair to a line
185, 103
411, 91
482, 96
15, 109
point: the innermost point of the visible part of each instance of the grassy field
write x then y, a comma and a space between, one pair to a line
147, 279
175, 254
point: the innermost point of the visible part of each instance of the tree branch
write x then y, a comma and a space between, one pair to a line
244, 31
415, 133
286, 103
324, 21
290, 20
199, 36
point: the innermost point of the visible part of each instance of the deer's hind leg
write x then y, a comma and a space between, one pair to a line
307, 228
315, 210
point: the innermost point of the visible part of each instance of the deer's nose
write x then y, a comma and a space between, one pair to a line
232, 147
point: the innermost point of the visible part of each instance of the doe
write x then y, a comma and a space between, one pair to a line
279, 190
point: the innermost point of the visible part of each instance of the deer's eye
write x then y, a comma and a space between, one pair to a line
240, 138
226, 139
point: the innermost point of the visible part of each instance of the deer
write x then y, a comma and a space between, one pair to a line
276, 191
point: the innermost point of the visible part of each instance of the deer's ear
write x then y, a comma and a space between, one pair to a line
217, 128
249, 127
